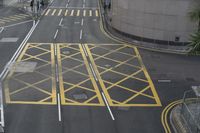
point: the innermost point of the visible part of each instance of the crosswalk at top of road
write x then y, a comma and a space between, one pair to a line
72, 12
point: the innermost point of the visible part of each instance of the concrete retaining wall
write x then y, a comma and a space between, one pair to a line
155, 19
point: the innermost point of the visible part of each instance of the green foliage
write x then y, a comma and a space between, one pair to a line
195, 16
195, 44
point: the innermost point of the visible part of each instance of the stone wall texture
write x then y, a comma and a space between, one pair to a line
154, 19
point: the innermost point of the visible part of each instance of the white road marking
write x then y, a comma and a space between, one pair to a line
112, 116
1, 29
55, 35
84, 49
55, 51
78, 13
59, 108
61, 20
93, 72
66, 12
54, 11
84, 13
57, 79
47, 12
90, 13
164, 80
66, 5
82, 22
72, 13
60, 11
14, 57
16, 54
81, 34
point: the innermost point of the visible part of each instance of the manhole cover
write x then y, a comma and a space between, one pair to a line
23, 66
80, 96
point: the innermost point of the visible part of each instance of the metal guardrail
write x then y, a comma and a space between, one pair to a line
190, 111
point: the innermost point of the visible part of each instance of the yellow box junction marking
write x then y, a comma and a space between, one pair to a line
69, 54
113, 101
67, 92
20, 87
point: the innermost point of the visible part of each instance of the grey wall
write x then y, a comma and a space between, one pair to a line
155, 19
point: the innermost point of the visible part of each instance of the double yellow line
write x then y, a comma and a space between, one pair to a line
165, 113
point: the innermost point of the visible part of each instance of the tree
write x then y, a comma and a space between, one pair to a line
195, 16
195, 43
195, 38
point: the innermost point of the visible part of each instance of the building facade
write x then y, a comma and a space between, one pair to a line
162, 21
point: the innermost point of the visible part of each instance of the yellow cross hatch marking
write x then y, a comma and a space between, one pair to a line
85, 84
68, 101
46, 95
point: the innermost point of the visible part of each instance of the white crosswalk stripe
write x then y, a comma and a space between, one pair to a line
72, 12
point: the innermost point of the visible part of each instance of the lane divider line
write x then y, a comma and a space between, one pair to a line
82, 22
109, 109
84, 49
61, 20
55, 35
16, 54
95, 76
81, 34
59, 107
1, 30
12, 60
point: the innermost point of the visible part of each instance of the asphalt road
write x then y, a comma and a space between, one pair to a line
86, 82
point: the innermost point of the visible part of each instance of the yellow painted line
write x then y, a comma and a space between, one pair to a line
78, 13
53, 13
60, 11
62, 93
90, 78
52, 94
97, 13
30, 102
66, 12
72, 13
90, 13
165, 114
98, 75
47, 12
148, 77
84, 13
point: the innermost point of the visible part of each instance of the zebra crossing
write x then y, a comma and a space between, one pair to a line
13, 18
72, 12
